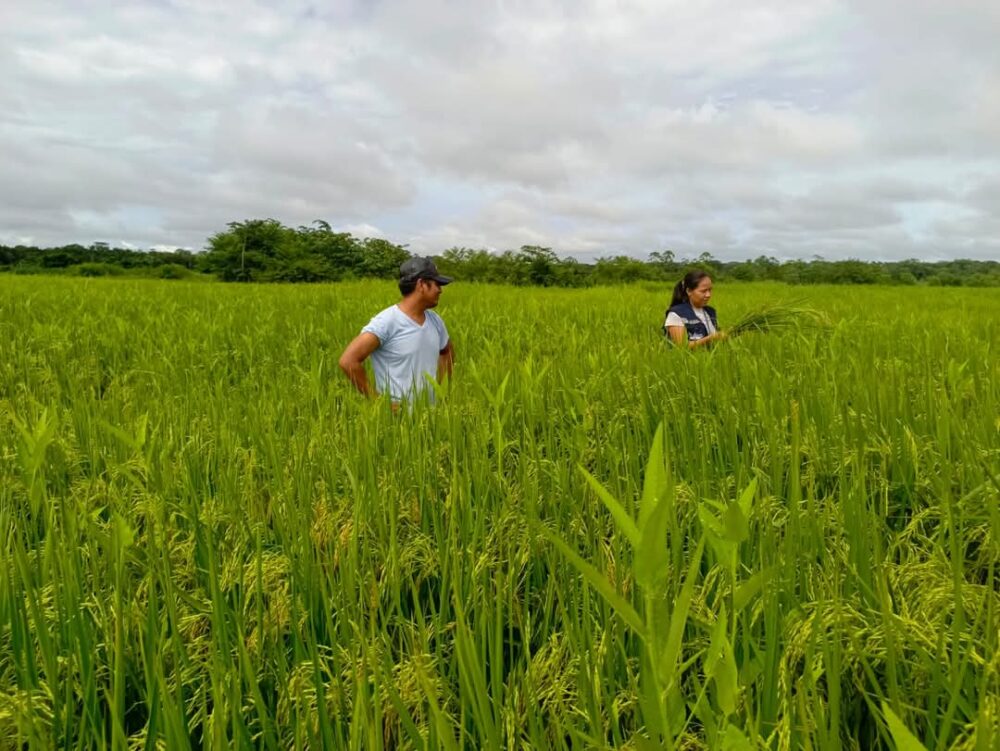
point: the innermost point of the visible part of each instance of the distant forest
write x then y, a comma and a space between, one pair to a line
265, 250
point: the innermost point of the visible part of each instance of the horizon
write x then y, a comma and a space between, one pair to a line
680, 260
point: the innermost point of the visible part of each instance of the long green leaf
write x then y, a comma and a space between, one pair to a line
678, 618
747, 496
652, 560
654, 484
622, 518
749, 589
734, 740
720, 666
599, 582
905, 740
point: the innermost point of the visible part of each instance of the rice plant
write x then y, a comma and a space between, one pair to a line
592, 541
778, 317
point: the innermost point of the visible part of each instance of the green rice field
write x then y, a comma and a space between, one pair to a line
593, 540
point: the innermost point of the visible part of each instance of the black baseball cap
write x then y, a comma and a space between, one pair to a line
420, 267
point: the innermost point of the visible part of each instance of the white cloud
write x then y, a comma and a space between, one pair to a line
594, 127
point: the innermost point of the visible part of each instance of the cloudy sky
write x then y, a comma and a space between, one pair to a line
793, 128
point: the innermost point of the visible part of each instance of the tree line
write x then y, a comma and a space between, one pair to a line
265, 250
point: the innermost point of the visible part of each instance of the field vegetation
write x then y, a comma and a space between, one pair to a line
265, 250
592, 541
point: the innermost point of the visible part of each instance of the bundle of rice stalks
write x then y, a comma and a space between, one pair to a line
777, 316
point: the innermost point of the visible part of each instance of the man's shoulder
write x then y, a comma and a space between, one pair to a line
383, 323
387, 314
392, 311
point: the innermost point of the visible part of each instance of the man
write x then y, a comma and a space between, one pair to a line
406, 341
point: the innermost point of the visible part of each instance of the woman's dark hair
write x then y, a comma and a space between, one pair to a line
690, 281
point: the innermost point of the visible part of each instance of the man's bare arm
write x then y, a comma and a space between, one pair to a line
446, 361
352, 361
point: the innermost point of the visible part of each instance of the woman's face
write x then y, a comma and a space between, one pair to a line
701, 294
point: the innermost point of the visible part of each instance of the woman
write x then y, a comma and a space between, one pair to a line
690, 314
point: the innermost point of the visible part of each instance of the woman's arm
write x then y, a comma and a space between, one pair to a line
676, 334
712, 338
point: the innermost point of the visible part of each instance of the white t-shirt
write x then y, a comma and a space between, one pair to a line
675, 320
406, 352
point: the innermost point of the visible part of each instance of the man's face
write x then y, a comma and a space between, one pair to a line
430, 292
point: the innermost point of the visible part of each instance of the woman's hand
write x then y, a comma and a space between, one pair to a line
676, 334
707, 341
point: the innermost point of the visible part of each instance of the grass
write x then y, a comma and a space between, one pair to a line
593, 541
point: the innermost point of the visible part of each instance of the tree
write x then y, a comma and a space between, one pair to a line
619, 270
540, 264
381, 258
665, 262
340, 253
250, 250
707, 262
470, 265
